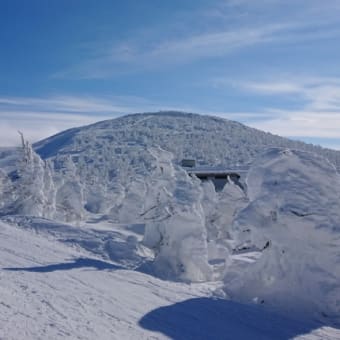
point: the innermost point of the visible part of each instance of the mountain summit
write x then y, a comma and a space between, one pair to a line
103, 167
210, 140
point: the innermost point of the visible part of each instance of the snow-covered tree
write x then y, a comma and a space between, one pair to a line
69, 192
33, 188
175, 222
293, 217
6, 192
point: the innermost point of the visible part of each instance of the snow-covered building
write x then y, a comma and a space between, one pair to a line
188, 163
219, 177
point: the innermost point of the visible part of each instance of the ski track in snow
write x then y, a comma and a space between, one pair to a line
50, 290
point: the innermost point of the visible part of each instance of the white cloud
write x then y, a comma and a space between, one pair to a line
319, 116
181, 50
134, 55
318, 93
37, 126
38, 118
71, 104
214, 44
42, 117
196, 47
318, 112
209, 31
309, 10
271, 88
301, 123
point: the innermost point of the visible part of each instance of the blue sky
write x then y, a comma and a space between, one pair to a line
271, 64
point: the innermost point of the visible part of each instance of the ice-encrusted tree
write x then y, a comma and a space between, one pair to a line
220, 209
70, 192
6, 192
33, 187
293, 217
175, 222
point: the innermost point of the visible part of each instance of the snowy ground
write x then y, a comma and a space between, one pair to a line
64, 282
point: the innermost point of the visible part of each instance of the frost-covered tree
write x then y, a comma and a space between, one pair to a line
69, 191
293, 218
220, 210
33, 186
7, 193
175, 222
49, 190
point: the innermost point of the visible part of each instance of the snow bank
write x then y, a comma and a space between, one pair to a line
294, 218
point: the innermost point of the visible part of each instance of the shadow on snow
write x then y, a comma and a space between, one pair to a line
202, 318
208, 318
77, 263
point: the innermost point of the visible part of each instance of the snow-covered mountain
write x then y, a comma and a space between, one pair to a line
97, 167
93, 167
210, 140
113, 197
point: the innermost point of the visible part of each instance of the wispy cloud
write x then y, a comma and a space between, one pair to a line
318, 93
42, 117
301, 123
316, 115
310, 10
172, 51
69, 104
37, 126
234, 25
214, 44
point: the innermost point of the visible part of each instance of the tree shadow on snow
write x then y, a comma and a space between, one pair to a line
208, 318
77, 263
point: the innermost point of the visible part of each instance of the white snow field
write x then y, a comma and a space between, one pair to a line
103, 235
52, 289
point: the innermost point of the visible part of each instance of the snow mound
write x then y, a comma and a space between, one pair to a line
294, 217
